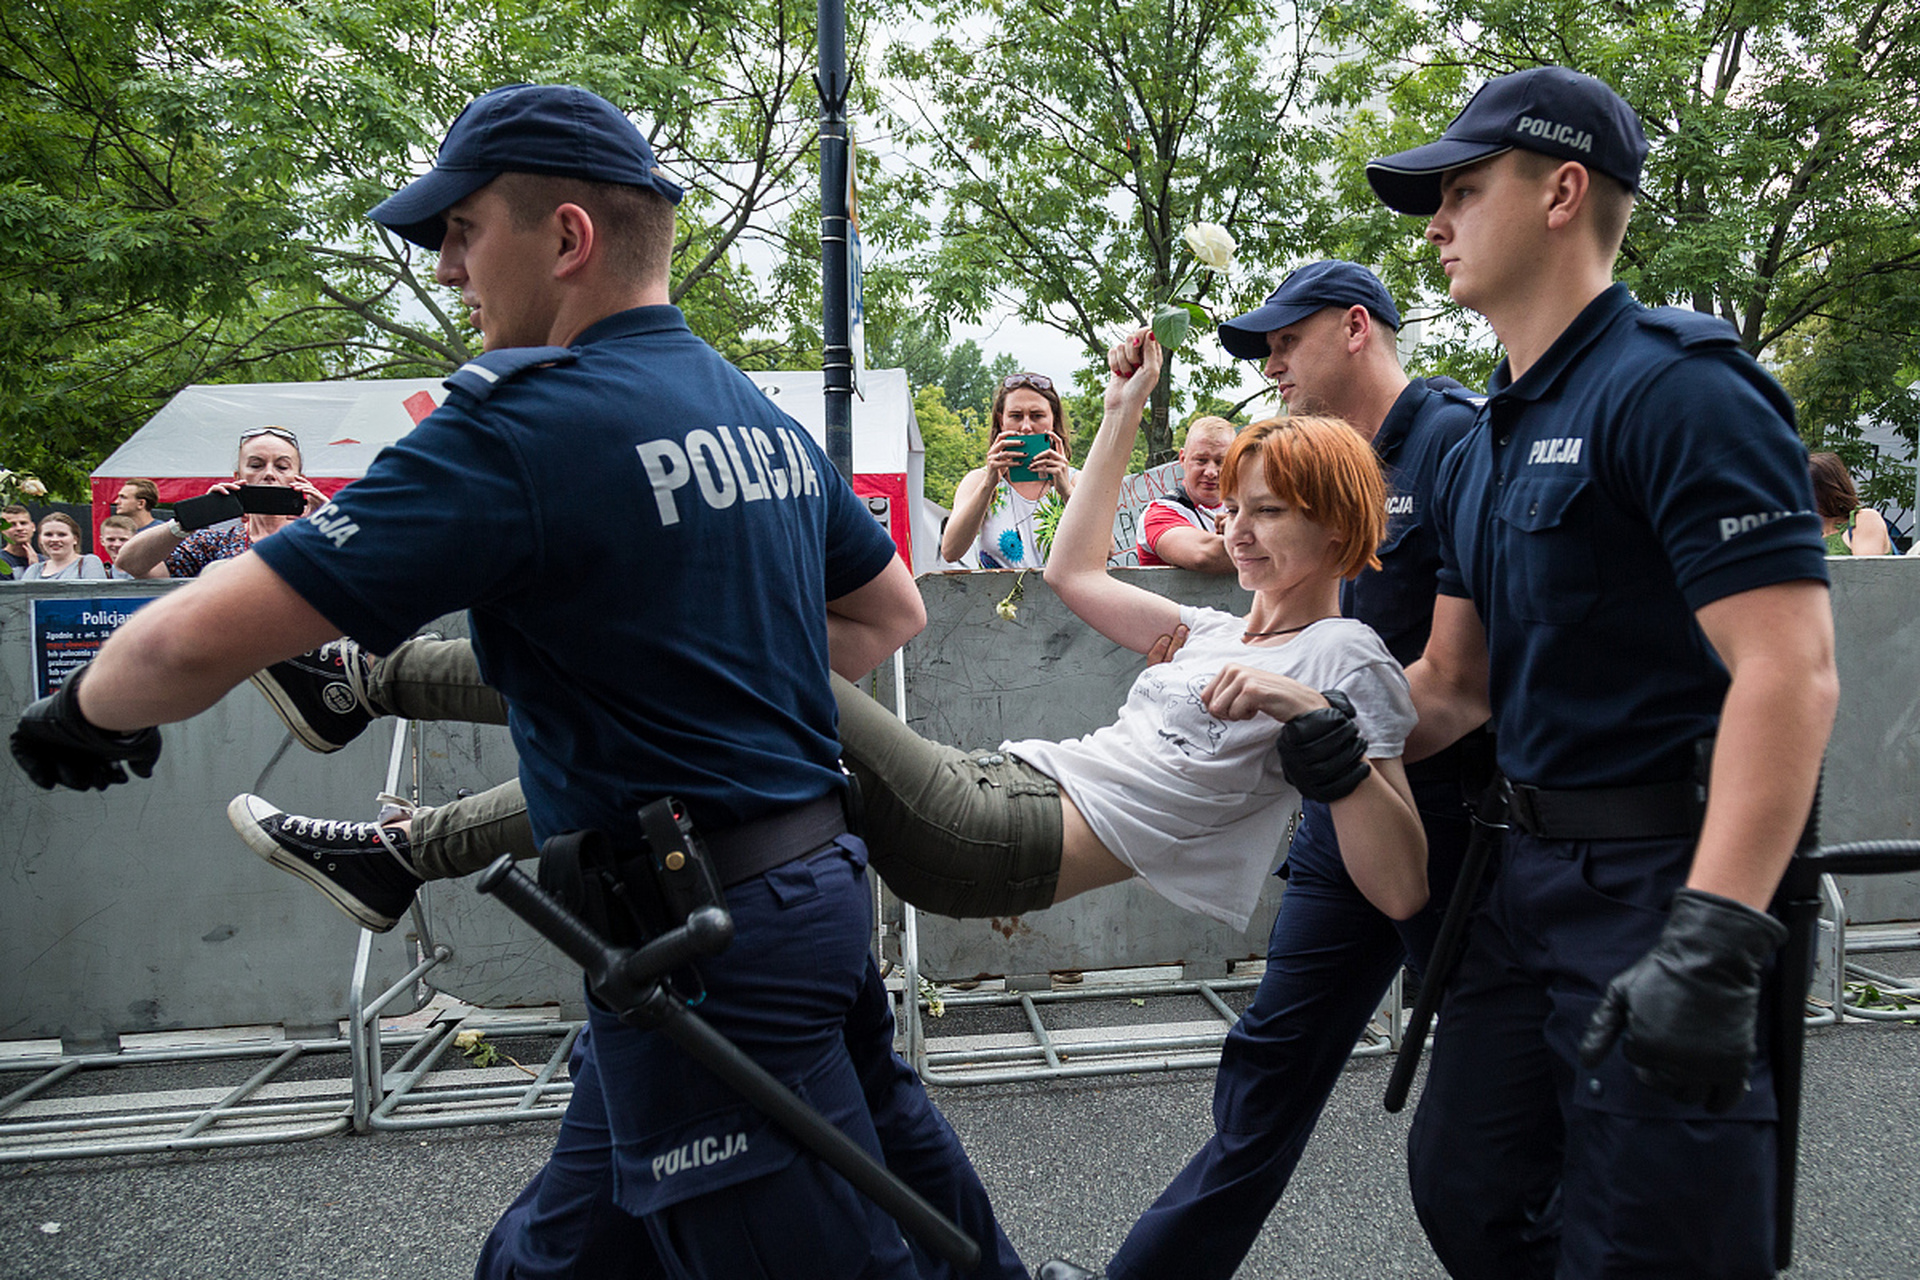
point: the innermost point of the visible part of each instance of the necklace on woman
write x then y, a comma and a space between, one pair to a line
1283, 631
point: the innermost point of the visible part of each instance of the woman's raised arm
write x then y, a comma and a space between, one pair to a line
1077, 564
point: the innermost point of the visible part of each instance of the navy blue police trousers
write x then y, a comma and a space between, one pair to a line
1330, 959
661, 1171
1526, 1164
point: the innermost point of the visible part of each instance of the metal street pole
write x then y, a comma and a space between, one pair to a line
836, 362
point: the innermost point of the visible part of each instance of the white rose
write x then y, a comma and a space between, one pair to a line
1211, 244
33, 488
466, 1040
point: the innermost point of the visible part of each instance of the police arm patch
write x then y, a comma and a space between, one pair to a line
482, 375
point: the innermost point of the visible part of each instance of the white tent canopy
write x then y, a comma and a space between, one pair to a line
191, 441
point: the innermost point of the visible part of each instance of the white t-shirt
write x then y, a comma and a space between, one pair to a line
1198, 806
1017, 531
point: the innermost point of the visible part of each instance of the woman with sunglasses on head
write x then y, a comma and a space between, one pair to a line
1192, 786
268, 456
1004, 520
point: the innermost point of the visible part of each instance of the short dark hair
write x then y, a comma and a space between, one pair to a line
635, 224
15, 509
145, 492
1609, 198
1833, 492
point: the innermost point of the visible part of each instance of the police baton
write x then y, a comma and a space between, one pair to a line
628, 981
1489, 820
1797, 903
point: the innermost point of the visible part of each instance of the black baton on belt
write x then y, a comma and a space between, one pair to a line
628, 981
1489, 820
1797, 904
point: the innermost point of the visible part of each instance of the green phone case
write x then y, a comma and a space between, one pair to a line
1037, 442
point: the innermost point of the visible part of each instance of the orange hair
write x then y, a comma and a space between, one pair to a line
1323, 467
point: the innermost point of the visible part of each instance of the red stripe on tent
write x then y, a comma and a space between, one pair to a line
418, 405
891, 486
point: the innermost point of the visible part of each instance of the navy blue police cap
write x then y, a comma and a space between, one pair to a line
1550, 110
1312, 288
523, 128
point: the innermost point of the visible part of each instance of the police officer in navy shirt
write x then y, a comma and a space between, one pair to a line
1327, 336
701, 672
1634, 585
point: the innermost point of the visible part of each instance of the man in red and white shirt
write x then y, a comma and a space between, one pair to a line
1182, 529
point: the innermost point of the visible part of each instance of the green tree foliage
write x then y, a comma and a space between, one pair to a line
1780, 193
1851, 370
183, 186
1070, 142
955, 442
912, 341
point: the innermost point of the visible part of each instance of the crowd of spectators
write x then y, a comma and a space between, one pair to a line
54, 548
135, 543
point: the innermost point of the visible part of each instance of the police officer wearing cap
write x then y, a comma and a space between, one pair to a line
1634, 585
701, 673
1327, 336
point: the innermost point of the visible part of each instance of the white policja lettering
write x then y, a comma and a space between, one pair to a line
698, 1154
1564, 134
725, 465
752, 489
764, 449
716, 480
333, 525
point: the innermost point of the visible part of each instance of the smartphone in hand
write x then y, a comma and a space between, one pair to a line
1032, 446
217, 508
271, 500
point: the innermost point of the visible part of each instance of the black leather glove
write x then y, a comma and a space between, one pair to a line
1322, 753
57, 746
1688, 1007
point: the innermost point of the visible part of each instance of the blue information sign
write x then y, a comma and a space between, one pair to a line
67, 631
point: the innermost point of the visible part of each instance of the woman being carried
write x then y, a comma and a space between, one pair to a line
1186, 788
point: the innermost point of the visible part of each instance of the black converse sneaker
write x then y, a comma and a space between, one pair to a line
363, 866
321, 695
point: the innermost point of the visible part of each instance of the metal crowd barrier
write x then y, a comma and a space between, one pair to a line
307, 1087
164, 889
1102, 955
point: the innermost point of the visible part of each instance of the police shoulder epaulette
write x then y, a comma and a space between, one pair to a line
1691, 328
1463, 395
480, 376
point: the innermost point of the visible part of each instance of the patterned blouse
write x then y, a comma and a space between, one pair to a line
203, 546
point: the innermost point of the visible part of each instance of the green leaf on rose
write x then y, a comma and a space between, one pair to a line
1171, 325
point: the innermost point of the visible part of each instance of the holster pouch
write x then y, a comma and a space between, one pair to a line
682, 871
631, 891
581, 869
853, 803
